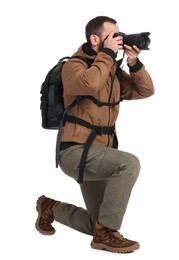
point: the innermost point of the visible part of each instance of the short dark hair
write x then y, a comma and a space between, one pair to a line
95, 25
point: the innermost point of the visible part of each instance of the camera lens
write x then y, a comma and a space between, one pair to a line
141, 42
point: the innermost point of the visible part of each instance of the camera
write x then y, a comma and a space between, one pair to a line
141, 40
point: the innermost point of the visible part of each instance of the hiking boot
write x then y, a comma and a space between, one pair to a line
45, 208
110, 240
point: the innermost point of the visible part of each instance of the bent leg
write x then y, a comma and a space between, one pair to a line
78, 218
119, 170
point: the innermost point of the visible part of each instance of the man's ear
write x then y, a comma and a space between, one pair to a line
95, 40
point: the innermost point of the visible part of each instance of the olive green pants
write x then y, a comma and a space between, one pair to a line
109, 177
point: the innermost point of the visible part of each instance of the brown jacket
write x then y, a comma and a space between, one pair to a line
95, 81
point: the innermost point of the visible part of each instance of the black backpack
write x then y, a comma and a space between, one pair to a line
52, 103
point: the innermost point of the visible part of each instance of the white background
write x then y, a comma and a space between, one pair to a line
34, 35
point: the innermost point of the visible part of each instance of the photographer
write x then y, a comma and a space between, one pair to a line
107, 174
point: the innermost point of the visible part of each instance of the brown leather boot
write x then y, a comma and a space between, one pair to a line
45, 207
110, 240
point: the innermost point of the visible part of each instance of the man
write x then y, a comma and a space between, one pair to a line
108, 174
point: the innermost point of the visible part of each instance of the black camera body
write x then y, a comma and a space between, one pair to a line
141, 40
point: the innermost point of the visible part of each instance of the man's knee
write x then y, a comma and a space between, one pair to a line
134, 160
134, 164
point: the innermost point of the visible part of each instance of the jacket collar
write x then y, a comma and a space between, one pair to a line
87, 50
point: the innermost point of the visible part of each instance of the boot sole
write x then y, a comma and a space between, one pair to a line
102, 246
38, 208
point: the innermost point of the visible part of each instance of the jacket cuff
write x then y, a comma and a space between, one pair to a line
109, 52
136, 67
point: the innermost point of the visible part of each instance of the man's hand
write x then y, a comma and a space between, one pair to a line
114, 44
132, 54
